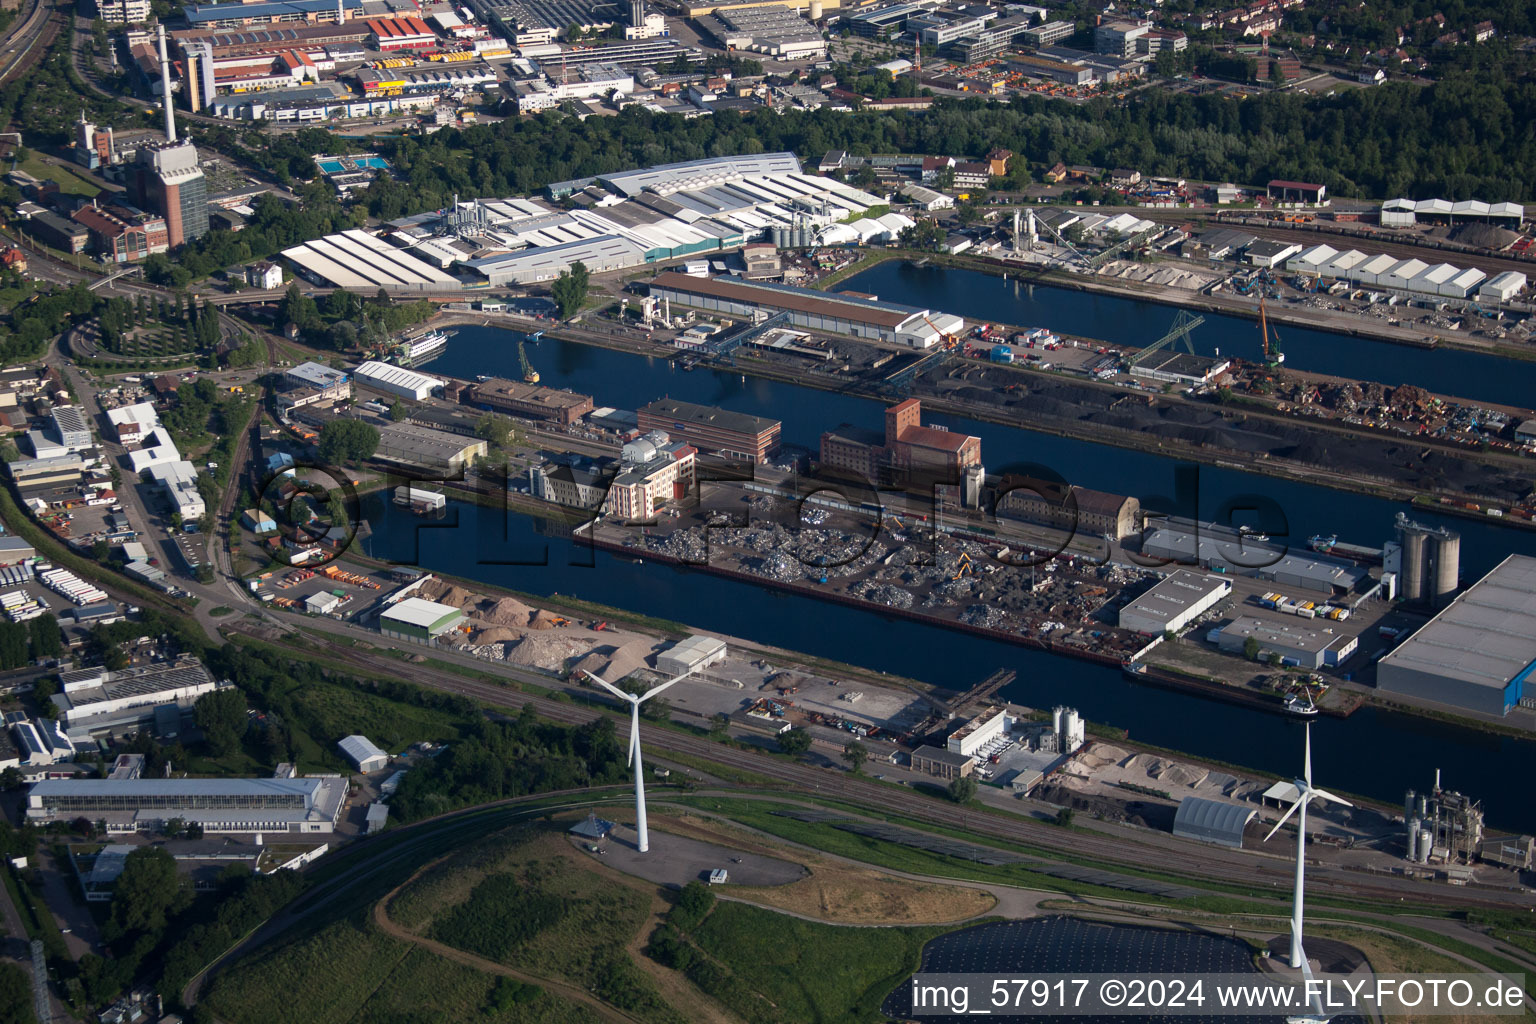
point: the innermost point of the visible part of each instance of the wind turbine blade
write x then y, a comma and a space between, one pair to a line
1284, 818
653, 691
634, 731
1323, 794
1307, 764
605, 684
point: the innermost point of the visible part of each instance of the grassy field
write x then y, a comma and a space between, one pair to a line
70, 183
352, 972
324, 713
782, 970
523, 898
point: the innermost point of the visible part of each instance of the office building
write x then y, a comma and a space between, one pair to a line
573, 483
71, 427
711, 430
306, 805
1478, 653
1118, 38
98, 702
653, 470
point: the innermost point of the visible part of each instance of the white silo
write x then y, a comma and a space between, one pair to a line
1056, 713
815, 10
1426, 845
1072, 722
1413, 839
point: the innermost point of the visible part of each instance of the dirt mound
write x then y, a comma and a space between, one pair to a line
615, 662
497, 635
508, 611
444, 593
541, 619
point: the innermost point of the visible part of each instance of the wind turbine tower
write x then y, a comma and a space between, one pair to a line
635, 700
1306, 793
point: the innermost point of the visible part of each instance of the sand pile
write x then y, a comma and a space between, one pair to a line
541, 619
497, 635
1175, 774
443, 593
615, 662
547, 651
508, 611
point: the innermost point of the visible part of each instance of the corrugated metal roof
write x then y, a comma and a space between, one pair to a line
1211, 820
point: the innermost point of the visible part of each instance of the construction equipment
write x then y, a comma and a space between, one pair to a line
1278, 357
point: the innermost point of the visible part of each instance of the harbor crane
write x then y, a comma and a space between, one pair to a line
1182, 325
1271, 360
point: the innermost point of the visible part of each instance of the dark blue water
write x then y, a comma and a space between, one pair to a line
1369, 753
983, 297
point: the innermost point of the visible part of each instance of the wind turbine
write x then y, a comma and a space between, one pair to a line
635, 700
1306, 793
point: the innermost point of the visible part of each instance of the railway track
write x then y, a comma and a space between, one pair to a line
1232, 868
26, 45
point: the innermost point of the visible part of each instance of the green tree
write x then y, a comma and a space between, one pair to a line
148, 892
15, 996
962, 790
1251, 648
719, 726
297, 308
497, 430
794, 741
399, 411
855, 753
47, 642
348, 441
10, 778
570, 290
222, 717
1064, 817
13, 645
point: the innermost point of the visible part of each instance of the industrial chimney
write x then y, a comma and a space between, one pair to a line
165, 89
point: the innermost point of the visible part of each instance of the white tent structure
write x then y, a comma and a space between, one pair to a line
635, 700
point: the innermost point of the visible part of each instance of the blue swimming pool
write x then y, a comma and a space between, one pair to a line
336, 165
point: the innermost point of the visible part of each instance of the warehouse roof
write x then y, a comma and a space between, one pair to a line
316, 374
517, 391
944, 756
387, 373
202, 14
418, 611
695, 648
1175, 592
1291, 636
799, 300
360, 749
1211, 820
689, 414
1487, 636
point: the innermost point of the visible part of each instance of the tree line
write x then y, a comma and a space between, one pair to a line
1466, 136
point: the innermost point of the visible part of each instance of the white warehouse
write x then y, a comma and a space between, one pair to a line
1174, 602
361, 751
1382, 271
396, 380
691, 655
989, 724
